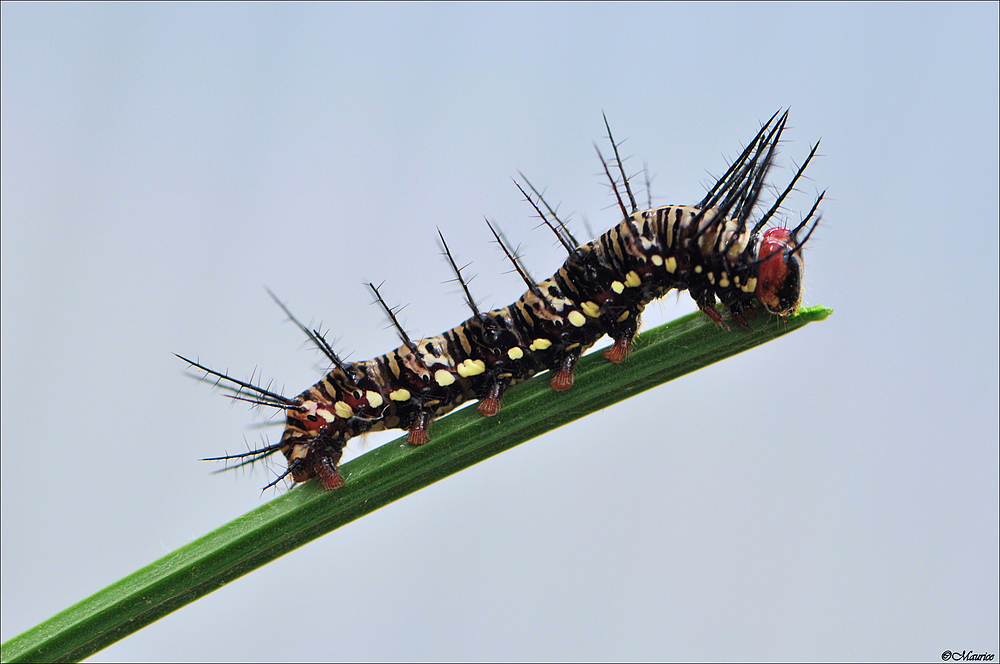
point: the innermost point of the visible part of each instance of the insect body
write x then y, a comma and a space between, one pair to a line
715, 249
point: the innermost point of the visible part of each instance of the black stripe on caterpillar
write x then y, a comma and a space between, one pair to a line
715, 249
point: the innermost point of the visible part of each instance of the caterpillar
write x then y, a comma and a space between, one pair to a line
717, 249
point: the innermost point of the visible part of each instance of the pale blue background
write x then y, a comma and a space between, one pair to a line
833, 495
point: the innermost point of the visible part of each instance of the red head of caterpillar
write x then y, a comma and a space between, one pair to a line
717, 249
779, 276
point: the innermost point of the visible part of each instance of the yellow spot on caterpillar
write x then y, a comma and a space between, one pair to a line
540, 344
751, 285
697, 269
657, 260
671, 264
711, 277
402, 394
325, 414
617, 287
374, 399
343, 410
576, 319
298, 451
515, 353
471, 368
443, 377
724, 281
632, 279
624, 315
592, 309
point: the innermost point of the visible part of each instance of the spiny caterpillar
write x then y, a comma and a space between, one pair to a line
714, 249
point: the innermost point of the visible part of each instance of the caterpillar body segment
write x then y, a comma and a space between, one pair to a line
714, 249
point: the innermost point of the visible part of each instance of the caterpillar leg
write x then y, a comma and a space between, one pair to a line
740, 311
711, 312
743, 322
737, 315
329, 476
618, 351
563, 378
416, 433
490, 404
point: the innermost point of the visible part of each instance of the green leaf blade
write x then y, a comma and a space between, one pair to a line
379, 477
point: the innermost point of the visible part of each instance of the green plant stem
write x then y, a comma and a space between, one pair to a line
379, 477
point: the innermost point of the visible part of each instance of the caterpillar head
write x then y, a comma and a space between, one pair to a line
779, 277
